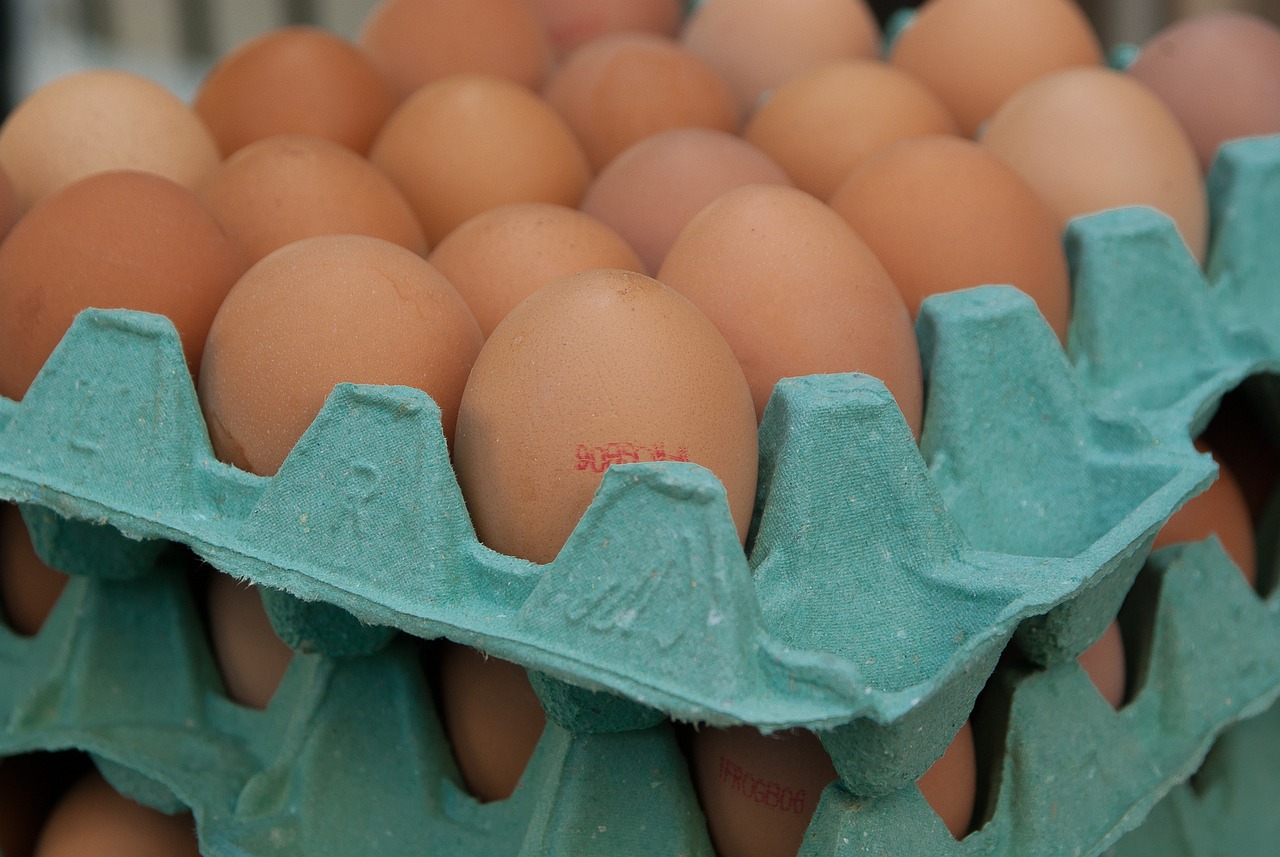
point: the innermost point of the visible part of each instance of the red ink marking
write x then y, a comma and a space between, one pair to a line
767, 793
598, 459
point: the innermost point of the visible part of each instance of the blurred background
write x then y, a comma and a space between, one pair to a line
175, 42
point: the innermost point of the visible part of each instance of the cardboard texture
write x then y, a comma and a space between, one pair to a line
883, 583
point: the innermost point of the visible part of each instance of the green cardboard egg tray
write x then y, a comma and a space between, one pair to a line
1026, 513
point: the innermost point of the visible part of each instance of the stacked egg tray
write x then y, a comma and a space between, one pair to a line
888, 591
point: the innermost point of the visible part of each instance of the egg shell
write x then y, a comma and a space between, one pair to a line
251, 658
822, 124
322, 311
571, 23
284, 188
975, 54
294, 80
757, 44
1091, 139
653, 189
597, 368
469, 143
942, 213
93, 820
415, 42
28, 587
621, 88
97, 120
501, 256
125, 239
1104, 661
795, 292
1222, 511
1219, 73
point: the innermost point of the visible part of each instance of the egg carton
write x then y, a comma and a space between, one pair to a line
1025, 514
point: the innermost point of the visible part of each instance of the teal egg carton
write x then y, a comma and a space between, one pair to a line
882, 584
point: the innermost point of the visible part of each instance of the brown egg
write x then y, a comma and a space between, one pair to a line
28, 587
295, 80
621, 88
758, 44
250, 657
1104, 663
281, 189
943, 213
822, 124
92, 121
492, 717
597, 368
653, 189
9, 205
758, 792
319, 312
468, 143
571, 23
93, 820
501, 256
1220, 510
415, 42
1217, 73
950, 785
122, 239
975, 54
1090, 139
795, 292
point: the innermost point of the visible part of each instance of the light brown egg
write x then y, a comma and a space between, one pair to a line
621, 88
975, 54
943, 213
597, 368
820, 125
93, 820
492, 717
469, 143
295, 80
501, 256
319, 312
950, 785
28, 587
250, 657
415, 42
281, 189
1218, 72
1104, 662
1090, 139
653, 189
758, 792
571, 23
758, 44
1220, 510
93, 121
124, 239
795, 291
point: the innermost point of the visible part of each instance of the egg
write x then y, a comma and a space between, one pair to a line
121, 239
28, 588
251, 658
1092, 139
1104, 662
98, 120
294, 80
29, 783
284, 188
758, 44
415, 42
943, 213
651, 191
820, 125
593, 369
93, 820
794, 291
1218, 73
571, 23
319, 312
492, 717
950, 785
501, 256
468, 143
619, 89
975, 54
